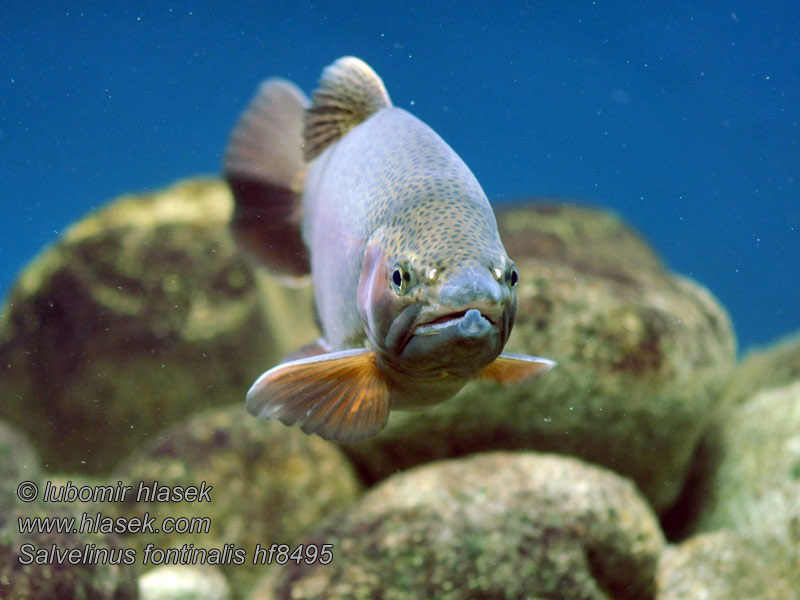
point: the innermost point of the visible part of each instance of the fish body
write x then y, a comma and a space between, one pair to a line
391, 193
414, 291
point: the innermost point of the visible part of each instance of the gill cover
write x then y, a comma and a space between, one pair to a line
388, 317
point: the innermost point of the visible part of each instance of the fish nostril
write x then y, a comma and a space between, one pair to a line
471, 286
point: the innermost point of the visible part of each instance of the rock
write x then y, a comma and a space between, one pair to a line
591, 240
719, 566
184, 582
774, 366
270, 484
643, 356
141, 313
44, 566
755, 489
498, 525
18, 463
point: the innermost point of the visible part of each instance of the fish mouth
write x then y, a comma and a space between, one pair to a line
458, 341
434, 321
427, 321
433, 326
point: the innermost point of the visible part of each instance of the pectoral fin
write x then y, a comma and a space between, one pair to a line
516, 368
340, 396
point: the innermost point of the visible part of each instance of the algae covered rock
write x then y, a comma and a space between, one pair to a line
184, 582
755, 489
269, 485
139, 314
499, 525
720, 566
643, 356
774, 366
18, 463
46, 566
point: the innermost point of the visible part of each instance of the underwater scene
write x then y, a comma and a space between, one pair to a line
400, 301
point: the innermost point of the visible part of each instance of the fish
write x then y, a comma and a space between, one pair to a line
414, 292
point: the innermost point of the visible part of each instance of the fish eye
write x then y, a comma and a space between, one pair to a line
511, 275
402, 278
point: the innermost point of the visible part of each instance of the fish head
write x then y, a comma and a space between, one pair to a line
430, 313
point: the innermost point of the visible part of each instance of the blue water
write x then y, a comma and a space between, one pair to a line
683, 119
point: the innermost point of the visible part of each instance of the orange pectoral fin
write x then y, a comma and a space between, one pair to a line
340, 396
516, 368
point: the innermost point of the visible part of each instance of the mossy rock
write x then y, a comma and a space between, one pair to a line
270, 484
755, 486
643, 356
42, 566
138, 315
18, 463
720, 566
184, 582
499, 525
773, 366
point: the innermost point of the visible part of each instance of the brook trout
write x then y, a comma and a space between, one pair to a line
414, 291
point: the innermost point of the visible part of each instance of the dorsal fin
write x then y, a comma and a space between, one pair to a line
349, 92
265, 168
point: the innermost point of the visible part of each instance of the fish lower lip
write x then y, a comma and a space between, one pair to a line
431, 327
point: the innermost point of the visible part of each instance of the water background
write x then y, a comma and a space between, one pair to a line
683, 117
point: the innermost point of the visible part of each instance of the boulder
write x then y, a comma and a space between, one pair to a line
46, 566
18, 463
138, 315
269, 484
497, 525
719, 566
184, 582
755, 486
773, 366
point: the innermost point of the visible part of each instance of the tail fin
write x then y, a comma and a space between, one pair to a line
265, 168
